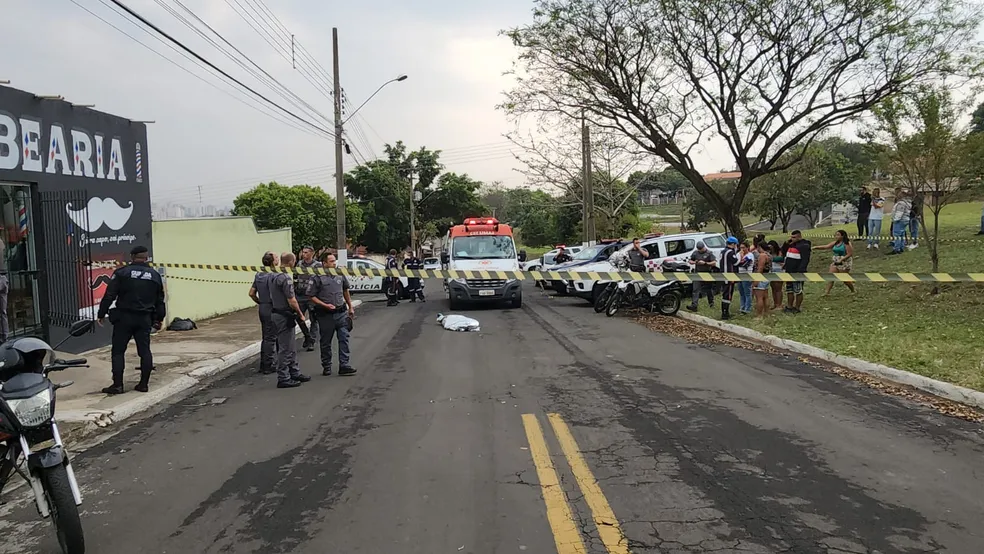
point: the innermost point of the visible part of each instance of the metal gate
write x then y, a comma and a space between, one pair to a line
67, 257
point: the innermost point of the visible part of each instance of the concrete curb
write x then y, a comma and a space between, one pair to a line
949, 391
90, 421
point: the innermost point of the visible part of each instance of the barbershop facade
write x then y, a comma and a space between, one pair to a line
74, 191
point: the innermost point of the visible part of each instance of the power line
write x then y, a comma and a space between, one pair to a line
250, 104
161, 32
253, 68
324, 86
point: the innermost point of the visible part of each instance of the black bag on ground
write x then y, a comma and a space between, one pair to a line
181, 324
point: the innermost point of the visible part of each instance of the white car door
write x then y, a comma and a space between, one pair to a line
374, 283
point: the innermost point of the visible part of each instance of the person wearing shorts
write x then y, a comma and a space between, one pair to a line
760, 291
797, 256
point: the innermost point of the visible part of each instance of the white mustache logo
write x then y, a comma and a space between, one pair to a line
102, 211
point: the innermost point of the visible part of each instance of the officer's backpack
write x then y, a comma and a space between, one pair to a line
181, 324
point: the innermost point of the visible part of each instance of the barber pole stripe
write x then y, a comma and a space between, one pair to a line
22, 217
139, 165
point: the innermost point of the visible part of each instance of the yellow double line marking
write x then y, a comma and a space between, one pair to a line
559, 515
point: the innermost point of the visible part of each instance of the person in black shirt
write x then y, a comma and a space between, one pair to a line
138, 291
864, 210
562, 256
414, 287
729, 264
796, 251
391, 285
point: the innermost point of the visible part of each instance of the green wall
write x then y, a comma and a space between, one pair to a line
216, 240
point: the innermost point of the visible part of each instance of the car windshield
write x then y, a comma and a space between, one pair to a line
487, 247
590, 252
430, 260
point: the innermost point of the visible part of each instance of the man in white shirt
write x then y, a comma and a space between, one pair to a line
875, 218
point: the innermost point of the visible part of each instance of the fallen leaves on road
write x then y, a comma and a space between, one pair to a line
699, 334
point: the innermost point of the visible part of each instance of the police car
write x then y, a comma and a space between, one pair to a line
372, 283
661, 248
547, 260
592, 254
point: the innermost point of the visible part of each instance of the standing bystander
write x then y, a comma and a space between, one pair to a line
729, 264
703, 261
796, 253
900, 220
333, 306
864, 212
915, 214
843, 258
875, 218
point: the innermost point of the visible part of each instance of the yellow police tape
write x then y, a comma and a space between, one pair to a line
885, 237
590, 275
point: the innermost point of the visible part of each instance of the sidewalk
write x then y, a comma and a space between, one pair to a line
182, 358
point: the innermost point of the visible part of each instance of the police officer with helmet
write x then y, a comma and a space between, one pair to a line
333, 307
260, 293
286, 312
138, 291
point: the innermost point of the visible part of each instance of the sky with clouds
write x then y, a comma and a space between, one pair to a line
207, 133
204, 135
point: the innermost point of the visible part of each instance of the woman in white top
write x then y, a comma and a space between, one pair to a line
875, 218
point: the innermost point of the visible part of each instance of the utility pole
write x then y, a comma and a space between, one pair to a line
413, 230
588, 203
341, 245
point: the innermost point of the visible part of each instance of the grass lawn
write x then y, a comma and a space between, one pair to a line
662, 209
900, 325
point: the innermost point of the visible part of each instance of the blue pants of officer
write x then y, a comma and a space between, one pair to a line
268, 340
334, 324
287, 367
308, 308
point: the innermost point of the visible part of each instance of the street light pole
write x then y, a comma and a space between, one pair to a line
341, 245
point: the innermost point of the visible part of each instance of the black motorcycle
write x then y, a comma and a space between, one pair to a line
652, 296
29, 436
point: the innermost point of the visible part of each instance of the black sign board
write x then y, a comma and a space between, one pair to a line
96, 165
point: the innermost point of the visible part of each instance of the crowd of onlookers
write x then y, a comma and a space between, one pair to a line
793, 256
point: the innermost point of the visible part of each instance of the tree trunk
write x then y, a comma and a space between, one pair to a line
733, 224
772, 224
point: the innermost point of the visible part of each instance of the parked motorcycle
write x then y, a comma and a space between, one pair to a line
653, 296
29, 436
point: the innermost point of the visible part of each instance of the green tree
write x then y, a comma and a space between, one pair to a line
765, 78
929, 151
308, 211
382, 187
454, 198
977, 120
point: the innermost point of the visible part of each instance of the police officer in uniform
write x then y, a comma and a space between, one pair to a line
138, 291
301, 284
415, 287
392, 284
286, 312
260, 293
333, 306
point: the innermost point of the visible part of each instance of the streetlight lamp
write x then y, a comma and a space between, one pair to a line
339, 173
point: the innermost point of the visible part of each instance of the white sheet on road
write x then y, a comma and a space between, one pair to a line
455, 322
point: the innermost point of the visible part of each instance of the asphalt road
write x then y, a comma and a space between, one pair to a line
554, 429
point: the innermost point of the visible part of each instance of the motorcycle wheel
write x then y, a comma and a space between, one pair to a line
64, 512
668, 303
614, 303
601, 302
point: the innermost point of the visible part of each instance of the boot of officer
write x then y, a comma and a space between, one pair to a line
333, 307
260, 293
286, 312
138, 291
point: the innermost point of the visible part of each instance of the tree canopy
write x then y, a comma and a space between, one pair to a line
766, 78
382, 189
308, 211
